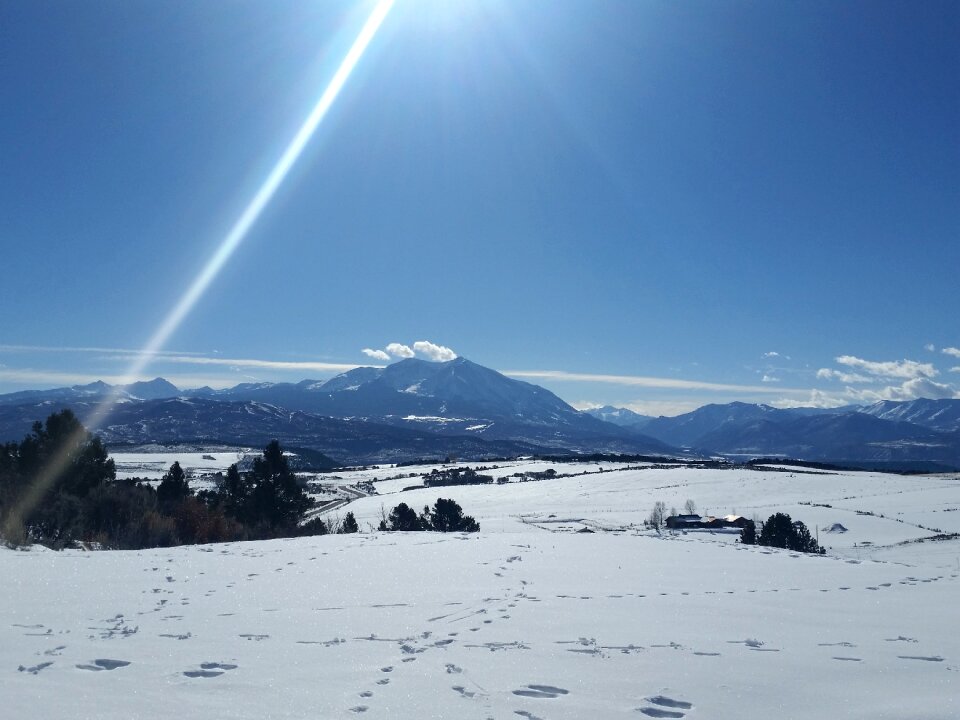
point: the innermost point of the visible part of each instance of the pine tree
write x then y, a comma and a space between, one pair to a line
173, 487
447, 516
349, 524
276, 498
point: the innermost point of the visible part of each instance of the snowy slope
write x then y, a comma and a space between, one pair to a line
525, 619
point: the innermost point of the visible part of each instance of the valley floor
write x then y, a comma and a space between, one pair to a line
527, 618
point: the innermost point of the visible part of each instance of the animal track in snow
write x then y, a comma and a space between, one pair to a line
927, 658
541, 691
104, 664
665, 701
665, 707
36, 668
209, 670
847, 659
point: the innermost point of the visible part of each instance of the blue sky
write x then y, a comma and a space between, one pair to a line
649, 204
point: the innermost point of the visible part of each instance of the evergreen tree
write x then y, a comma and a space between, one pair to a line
402, 518
44, 478
782, 532
447, 516
233, 491
276, 498
748, 536
173, 487
349, 524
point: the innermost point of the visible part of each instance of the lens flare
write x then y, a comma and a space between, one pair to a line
59, 462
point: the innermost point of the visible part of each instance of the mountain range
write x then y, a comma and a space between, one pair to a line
913, 434
414, 408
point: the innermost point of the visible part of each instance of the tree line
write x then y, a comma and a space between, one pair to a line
85, 501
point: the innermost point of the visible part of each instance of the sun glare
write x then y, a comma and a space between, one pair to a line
224, 251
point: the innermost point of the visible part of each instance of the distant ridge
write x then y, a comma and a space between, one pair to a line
415, 408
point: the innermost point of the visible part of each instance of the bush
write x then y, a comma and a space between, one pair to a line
782, 532
349, 525
446, 516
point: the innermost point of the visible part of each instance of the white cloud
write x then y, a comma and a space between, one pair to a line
816, 399
906, 369
955, 352
930, 347
400, 350
641, 381
769, 379
771, 354
270, 364
376, 354
438, 353
830, 374
70, 349
909, 390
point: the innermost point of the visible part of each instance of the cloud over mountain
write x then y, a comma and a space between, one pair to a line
437, 353
400, 350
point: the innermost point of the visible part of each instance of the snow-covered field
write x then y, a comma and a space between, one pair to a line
152, 465
527, 618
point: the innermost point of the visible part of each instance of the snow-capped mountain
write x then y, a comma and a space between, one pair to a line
619, 416
457, 397
941, 414
415, 408
144, 390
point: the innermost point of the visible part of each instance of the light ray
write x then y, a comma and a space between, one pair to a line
57, 464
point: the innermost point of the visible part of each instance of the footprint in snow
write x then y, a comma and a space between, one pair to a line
665, 707
104, 664
209, 670
541, 691
36, 668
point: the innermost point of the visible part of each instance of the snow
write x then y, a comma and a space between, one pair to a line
153, 465
431, 418
527, 618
